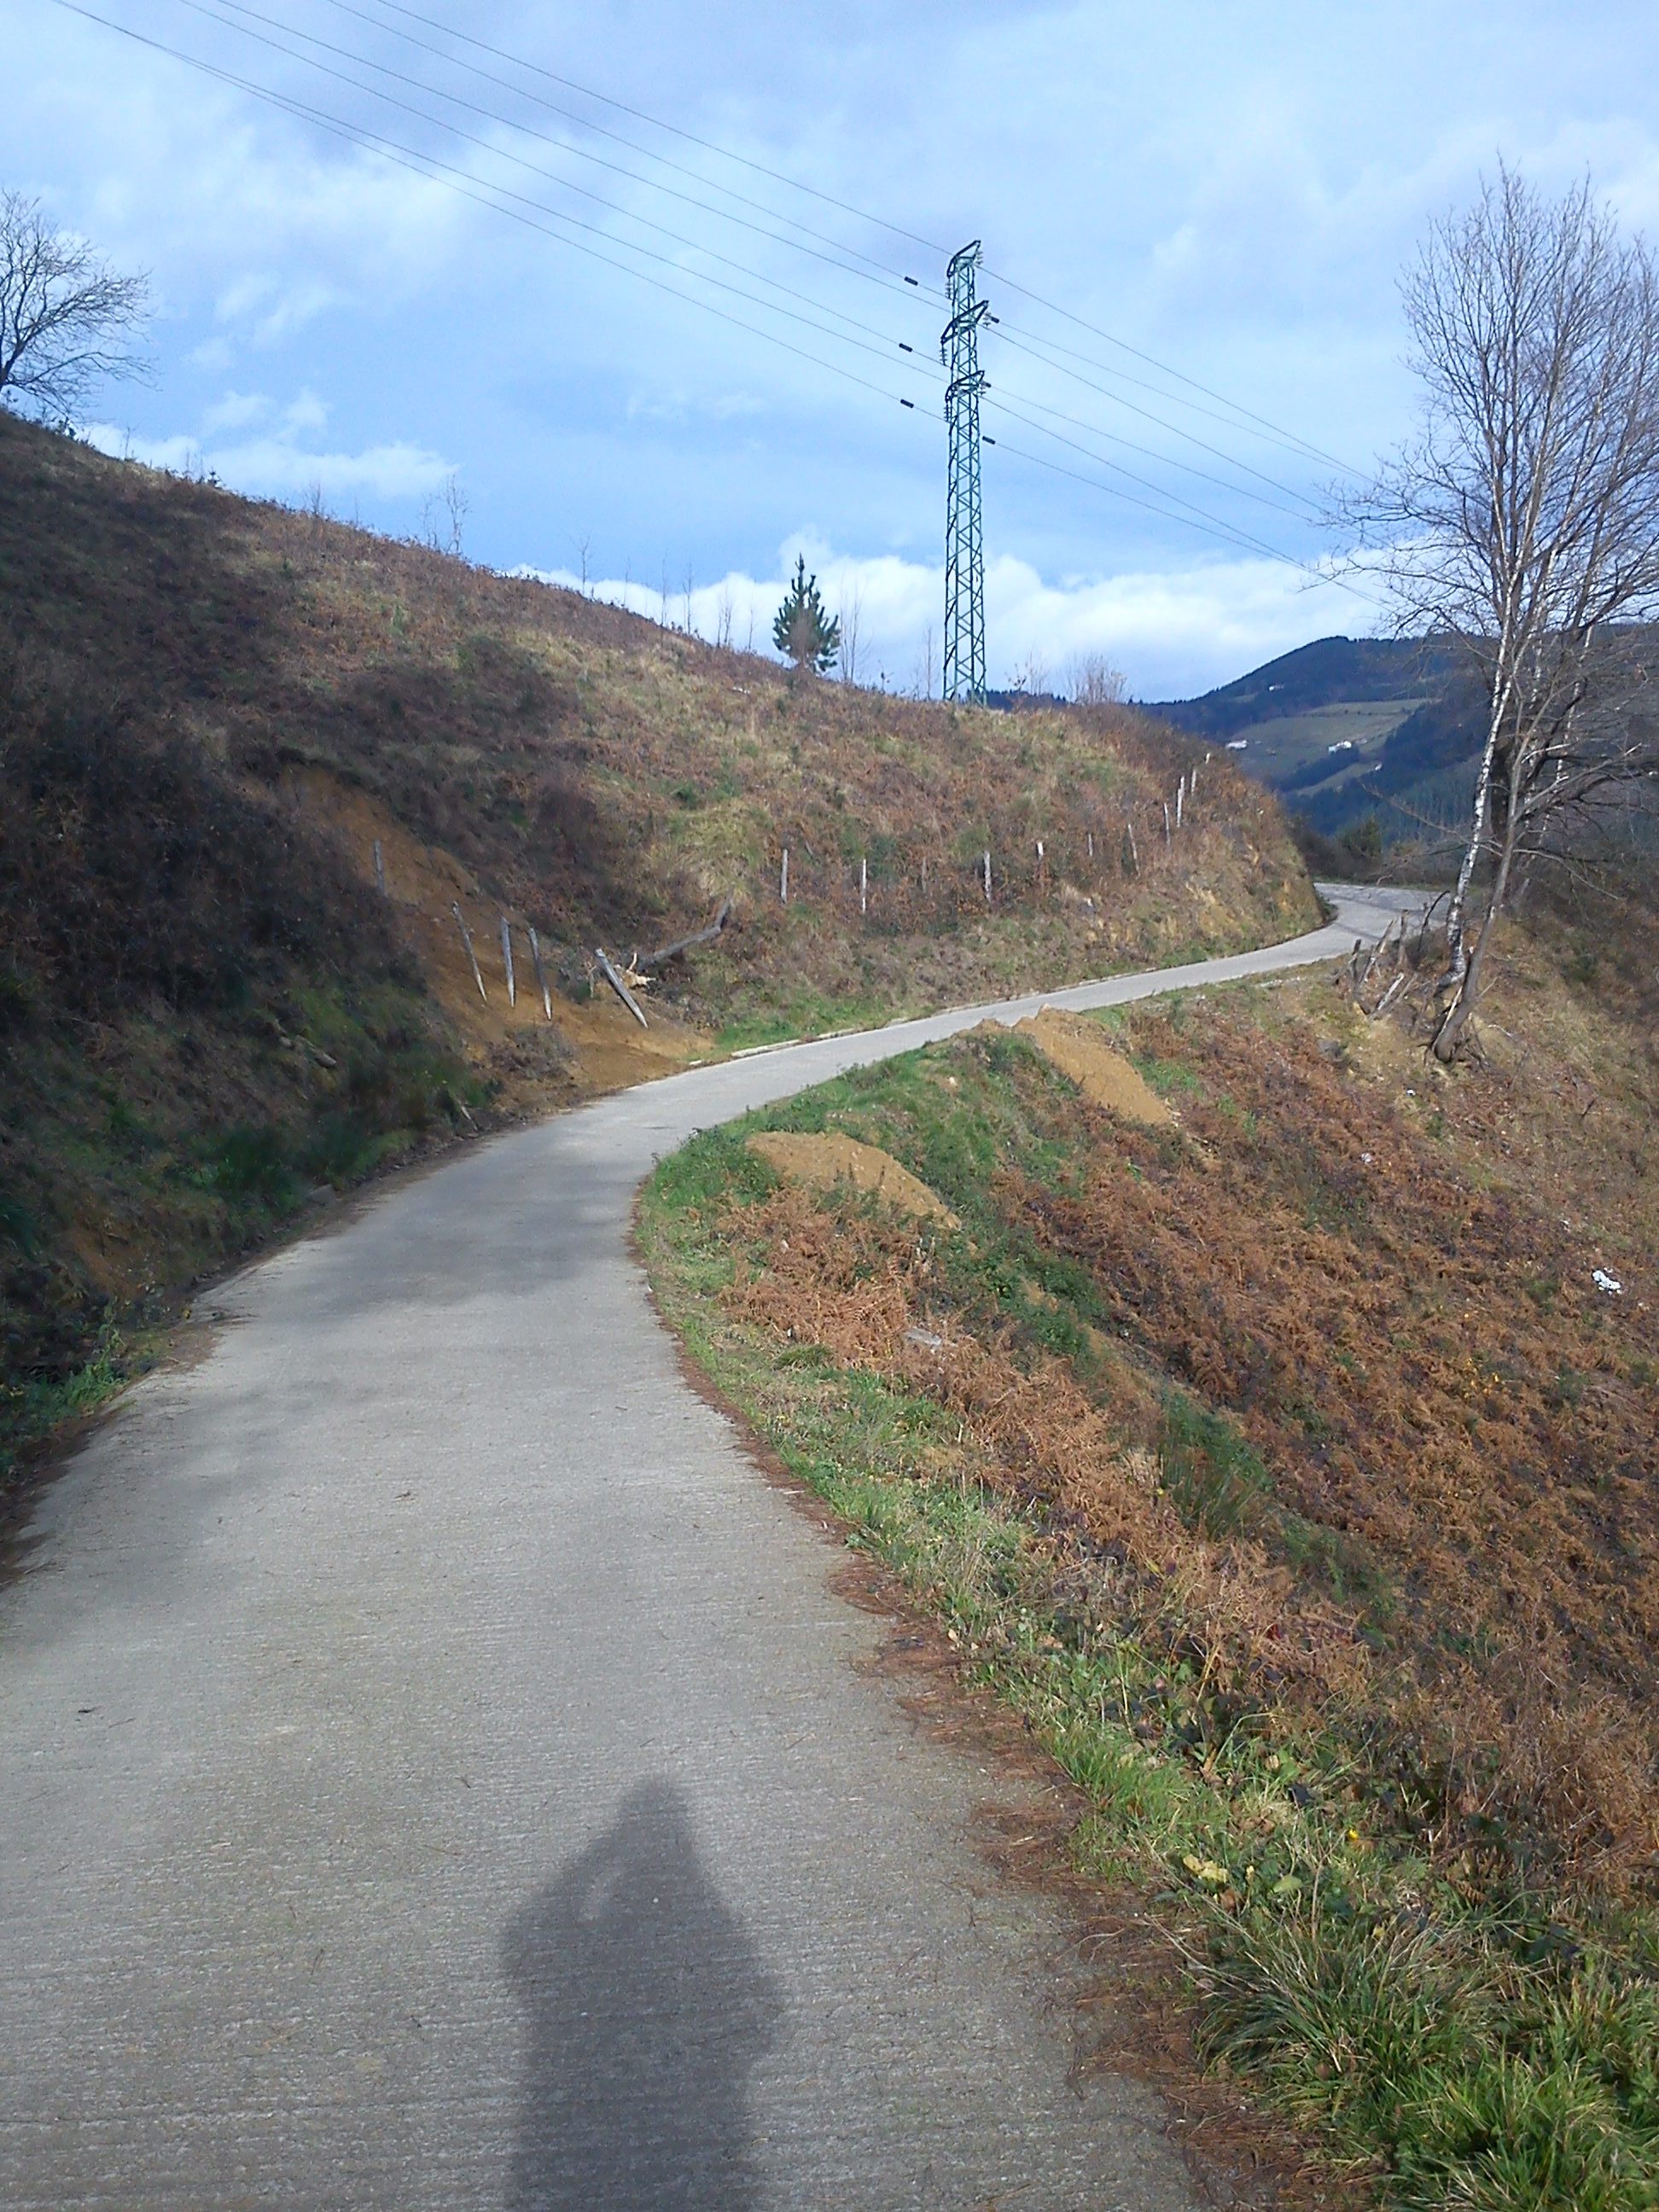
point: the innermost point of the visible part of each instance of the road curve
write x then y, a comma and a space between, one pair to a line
435, 1772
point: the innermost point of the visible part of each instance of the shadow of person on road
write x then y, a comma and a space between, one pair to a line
646, 2010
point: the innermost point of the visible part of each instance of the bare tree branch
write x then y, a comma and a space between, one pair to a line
1523, 524
65, 316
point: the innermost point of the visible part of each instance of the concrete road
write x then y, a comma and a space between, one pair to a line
434, 1771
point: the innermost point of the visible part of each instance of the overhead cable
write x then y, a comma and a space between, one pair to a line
494, 196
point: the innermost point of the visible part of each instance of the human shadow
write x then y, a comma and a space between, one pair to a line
648, 2007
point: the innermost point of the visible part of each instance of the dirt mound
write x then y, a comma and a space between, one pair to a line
822, 1162
1079, 1050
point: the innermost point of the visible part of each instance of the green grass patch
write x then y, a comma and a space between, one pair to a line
1490, 2051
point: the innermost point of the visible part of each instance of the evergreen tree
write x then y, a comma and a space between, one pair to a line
802, 630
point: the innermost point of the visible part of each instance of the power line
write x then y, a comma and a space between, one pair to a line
882, 274
212, 13
492, 197
1163, 369
1210, 529
519, 60
883, 350
691, 137
1023, 345
1198, 513
477, 189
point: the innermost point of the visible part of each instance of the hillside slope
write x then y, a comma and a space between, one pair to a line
1270, 1417
213, 711
1349, 727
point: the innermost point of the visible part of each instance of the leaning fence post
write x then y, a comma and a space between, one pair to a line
607, 968
541, 973
507, 962
1134, 852
380, 867
1092, 844
466, 940
1166, 821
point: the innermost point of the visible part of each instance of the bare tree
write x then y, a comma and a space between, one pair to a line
852, 616
456, 504
1030, 677
65, 316
1092, 681
724, 615
1522, 522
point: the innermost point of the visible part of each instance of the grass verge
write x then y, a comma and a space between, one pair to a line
1462, 2017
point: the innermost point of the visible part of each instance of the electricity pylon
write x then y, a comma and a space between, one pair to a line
965, 544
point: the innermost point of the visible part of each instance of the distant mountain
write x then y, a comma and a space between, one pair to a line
1331, 671
1347, 727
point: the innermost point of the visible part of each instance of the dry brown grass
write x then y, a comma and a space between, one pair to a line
253, 697
1460, 1428
608, 779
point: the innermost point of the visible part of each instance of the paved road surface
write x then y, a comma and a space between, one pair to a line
435, 1772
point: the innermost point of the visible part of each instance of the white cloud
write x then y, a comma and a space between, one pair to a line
1230, 190
1171, 632
277, 464
307, 413
236, 411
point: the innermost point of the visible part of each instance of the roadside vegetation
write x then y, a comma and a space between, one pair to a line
215, 1005
1271, 1447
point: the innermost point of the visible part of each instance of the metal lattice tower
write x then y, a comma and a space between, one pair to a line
964, 543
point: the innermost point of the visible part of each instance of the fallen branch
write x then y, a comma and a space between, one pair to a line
1382, 945
643, 962
619, 986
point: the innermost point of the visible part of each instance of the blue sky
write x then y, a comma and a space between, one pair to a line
1229, 190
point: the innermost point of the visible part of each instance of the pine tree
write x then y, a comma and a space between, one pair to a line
802, 630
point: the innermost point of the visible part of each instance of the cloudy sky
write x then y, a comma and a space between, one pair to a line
635, 280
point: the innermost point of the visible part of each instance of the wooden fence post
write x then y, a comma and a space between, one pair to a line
864, 886
783, 877
617, 985
1180, 797
1134, 853
380, 867
507, 962
1166, 821
541, 974
466, 940
986, 864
